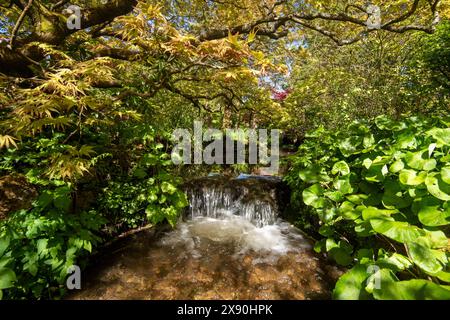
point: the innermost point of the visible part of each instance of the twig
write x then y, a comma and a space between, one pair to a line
19, 23
59, 4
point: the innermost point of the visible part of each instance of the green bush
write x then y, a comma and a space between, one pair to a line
37, 246
150, 193
380, 191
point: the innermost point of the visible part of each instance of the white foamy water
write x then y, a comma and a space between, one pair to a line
239, 234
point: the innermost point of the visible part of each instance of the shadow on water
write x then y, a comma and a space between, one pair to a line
220, 251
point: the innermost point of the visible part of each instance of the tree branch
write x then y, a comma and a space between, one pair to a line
19, 23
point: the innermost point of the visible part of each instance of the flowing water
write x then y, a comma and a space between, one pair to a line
231, 245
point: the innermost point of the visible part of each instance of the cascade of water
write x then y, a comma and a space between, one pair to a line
218, 200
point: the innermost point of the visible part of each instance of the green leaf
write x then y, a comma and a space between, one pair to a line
62, 199
341, 167
367, 163
365, 255
399, 231
350, 145
343, 186
340, 252
417, 289
7, 278
432, 214
312, 196
443, 276
437, 239
397, 166
4, 243
445, 174
437, 187
378, 169
394, 197
372, 212
441, 135
396, 262
313, 174
416, 161
167, 187
380, 276
41, 245
410, 177
140, 173
44, 199
423, 256
351, 286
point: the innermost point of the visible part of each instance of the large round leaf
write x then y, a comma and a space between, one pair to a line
416, 289
410, 177
432, 212
424, 257
394, 197
350, 145
341, 167
313, 196
437, 187
397, 166
416, 161
441, 135
399, 231
351, 286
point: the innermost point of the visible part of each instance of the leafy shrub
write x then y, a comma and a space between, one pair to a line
149, 193
381, 192
37, 246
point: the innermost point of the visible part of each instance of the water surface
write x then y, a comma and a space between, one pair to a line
212, 258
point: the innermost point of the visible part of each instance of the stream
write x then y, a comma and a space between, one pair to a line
231, 244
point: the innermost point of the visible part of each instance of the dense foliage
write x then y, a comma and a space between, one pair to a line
381, 193
385, 74
38, 246
66, 222
86, 117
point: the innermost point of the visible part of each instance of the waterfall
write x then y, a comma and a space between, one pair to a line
252, 198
